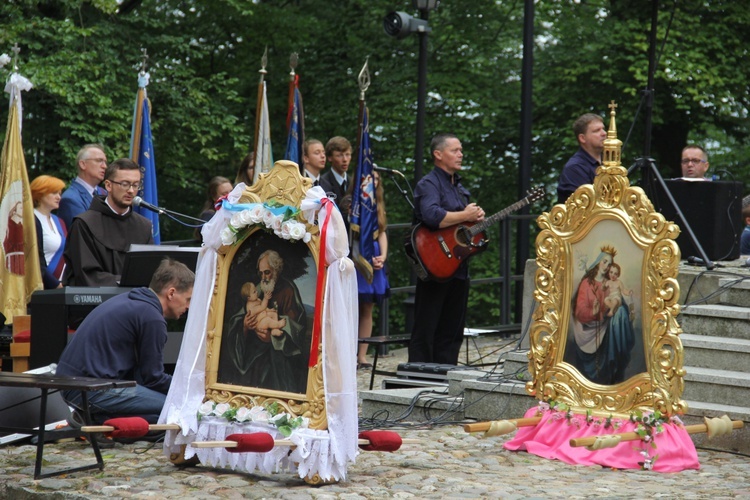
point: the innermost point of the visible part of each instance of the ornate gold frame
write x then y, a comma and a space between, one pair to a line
613, 202
285, 185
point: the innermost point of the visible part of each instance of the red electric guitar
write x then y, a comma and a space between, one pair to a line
437, 254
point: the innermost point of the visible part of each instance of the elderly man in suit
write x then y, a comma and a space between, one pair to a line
92, 163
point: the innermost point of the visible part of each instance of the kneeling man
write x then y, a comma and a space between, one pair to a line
124, 339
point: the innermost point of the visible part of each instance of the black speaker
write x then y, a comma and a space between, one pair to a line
713, 209
19, 407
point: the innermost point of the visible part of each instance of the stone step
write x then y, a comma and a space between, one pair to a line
418, 404
695, 284
699, 410
495, 399
716, 320
735, 291
738, 441
517, 365
716, 386
456, 377
716, 352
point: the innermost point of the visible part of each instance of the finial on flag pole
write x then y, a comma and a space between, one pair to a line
364, 80
143, 76
293, 59
144, 58
16, 50
263, 64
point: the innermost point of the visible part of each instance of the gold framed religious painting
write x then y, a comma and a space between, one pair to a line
260, 324
269, 308
605, 337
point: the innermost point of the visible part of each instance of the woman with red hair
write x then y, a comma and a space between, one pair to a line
46, 192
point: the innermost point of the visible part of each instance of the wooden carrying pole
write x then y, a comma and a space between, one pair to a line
109, 428
278, 442
634, 436
518, 422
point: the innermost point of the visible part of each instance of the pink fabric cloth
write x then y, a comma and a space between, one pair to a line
550, 439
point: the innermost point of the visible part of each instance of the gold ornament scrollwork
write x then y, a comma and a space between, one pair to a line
610, 200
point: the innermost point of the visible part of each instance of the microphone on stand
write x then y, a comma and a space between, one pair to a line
140, 202
386, 170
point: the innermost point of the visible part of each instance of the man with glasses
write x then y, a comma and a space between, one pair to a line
92, 162
694, 162
100, 237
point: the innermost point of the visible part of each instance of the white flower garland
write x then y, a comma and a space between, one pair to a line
283, 225
283, 421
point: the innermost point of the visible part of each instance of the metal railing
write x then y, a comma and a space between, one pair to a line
510, 299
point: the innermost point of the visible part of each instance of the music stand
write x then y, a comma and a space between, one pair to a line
648, 169
141, 262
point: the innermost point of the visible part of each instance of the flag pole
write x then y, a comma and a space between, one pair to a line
363, 79
20, 270
364, 83
138, 119
293, 60
262, 71
142, 148
359, 233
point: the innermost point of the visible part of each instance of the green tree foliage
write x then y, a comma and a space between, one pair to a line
83, 58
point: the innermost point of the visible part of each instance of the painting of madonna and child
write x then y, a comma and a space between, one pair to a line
268, 315
605, 337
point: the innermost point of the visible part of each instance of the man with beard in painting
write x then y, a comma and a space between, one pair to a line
258, 358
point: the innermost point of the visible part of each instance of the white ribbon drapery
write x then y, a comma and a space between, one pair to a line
323, 452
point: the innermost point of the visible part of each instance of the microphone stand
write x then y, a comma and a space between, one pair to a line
172, 215
401, 190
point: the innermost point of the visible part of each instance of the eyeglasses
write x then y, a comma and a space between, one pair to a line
127, 186
697, 161
96, 160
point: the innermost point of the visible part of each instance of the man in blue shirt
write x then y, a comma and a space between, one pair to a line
124, 339
581, 167
440, 307
92, 163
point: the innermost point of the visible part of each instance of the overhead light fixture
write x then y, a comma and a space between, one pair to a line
401, 25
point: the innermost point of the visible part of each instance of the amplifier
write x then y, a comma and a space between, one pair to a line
410, 383
424, 371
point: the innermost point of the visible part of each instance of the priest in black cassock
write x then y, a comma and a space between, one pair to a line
101, 236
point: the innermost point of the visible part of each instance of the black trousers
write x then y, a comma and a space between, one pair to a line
439, 319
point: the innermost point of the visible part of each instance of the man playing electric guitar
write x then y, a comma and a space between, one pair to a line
440, 307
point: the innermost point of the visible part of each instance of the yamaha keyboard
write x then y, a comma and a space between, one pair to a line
55, 314
77, 295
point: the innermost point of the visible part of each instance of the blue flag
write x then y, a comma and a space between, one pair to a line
142, 152
296, 136
364, 215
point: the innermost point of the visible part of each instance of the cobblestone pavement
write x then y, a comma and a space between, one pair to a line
448, 463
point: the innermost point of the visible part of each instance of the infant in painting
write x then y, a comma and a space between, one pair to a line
265, 317
615, 289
